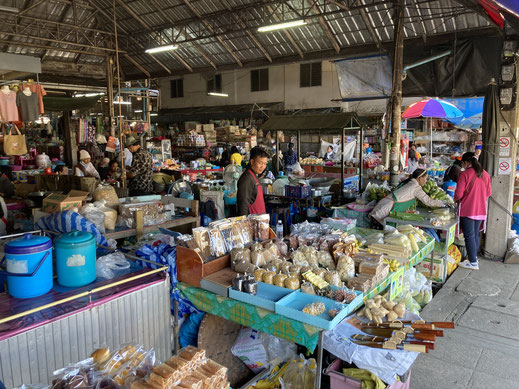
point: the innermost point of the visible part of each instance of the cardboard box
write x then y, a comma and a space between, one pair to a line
56, 202
248, 346
208, 127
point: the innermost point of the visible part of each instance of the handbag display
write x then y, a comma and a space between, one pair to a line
15, 144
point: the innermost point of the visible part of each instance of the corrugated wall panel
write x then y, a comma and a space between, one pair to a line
141, 317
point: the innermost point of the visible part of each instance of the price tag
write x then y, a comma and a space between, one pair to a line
397, 282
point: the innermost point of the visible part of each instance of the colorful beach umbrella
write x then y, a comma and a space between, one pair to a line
432, 108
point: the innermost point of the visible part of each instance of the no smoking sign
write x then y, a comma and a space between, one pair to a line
504, 146
505, 166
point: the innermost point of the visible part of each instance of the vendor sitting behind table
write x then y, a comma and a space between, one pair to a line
114, 173
236, 157
85, 168
103, 168
330, 155
6, 184
141, 172
61, 170
250, 193
404, 197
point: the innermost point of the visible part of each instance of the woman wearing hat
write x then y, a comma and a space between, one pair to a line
85, 168
404, 197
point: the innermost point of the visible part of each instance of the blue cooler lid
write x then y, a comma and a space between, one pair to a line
75, 237
29, 244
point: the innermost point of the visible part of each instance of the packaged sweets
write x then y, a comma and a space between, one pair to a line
216, 243
279, 280
201, 235
314, 309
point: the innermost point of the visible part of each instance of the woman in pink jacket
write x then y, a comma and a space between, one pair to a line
472, 192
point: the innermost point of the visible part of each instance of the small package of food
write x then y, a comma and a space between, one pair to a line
256, 258
332, 277
325, 260
308, 288
245, 228
256, 247
250, 286
318, 281
293, 242
299, 258
268, 277
361, 283
262, 226
319, 272
282, 248
276, 265
244, 267
311, 255
314, 309
285, 267
345, 267
178, 363
270, 252
292, 283
258, 274
240, 255
201, 235
370, 267
216, 243
279, 280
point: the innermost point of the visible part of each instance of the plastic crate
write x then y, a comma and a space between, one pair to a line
292, 306
266, 297
300, 192
338, 380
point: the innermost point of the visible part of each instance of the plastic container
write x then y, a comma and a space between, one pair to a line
29, 266
279, 230
76, 258
338, 380
266, 297
4, 161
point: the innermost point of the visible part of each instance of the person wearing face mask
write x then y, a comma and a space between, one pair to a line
472, 193
85, 168
404, 197
250, 193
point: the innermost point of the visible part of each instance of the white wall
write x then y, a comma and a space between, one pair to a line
283, 87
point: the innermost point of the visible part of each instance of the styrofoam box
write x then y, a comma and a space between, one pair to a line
292, 306
267, 296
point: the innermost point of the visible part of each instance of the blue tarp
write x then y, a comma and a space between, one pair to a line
510, 5
472, 108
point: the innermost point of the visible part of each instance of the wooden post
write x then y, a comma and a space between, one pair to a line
298, 145
396, 95
70, 140
110, 92
276, 159
342, 162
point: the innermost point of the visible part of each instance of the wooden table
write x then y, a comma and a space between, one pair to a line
194, 221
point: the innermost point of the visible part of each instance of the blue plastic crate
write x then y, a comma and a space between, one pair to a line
300, 192
292, 306
266, 297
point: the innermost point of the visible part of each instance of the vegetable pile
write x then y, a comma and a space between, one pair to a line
434, 192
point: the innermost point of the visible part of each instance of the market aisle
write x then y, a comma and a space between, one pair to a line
483, 350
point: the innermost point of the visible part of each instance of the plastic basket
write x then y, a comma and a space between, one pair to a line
300, 192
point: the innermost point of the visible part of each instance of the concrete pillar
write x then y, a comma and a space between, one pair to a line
501, 202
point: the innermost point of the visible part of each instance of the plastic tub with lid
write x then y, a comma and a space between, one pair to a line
75, 258
28, 266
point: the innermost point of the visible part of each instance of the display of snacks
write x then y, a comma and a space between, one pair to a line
216, 243
201, 236
314, 309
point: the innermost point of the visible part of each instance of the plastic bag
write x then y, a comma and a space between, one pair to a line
375, 238
299, 258
282, 248
345, 267
107, 264
279, 349
94, 215
107, 193
325, 260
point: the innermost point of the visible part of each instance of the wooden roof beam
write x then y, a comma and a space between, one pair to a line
326, 27
210, 28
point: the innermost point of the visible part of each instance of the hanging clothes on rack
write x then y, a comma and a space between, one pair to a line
39, 91
8, 108
82, 131
28, 104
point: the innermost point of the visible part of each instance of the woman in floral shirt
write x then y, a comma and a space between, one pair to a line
141, 172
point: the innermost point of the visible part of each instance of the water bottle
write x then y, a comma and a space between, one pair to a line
279, 230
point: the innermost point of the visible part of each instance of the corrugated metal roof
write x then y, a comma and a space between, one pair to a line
219, 30
330, 121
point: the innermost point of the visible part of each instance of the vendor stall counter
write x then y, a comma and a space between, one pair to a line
447, 229
265, 320
42, 334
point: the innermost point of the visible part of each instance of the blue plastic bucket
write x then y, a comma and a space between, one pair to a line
75, 258
515, 225
29, 266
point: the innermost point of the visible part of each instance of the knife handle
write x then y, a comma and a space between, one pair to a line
419, 326
429, 345
418, 335
443, 324
416, 348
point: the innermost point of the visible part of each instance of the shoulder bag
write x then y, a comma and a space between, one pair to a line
15, 144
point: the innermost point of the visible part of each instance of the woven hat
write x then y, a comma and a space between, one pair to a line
131, 140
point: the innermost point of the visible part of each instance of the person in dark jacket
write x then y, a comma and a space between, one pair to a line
250, 193
453, 172
6, 182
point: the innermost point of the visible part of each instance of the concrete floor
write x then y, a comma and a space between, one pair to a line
483, 350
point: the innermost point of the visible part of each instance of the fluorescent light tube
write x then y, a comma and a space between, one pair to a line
122, 102
9, 9
280, 26
218, 94
154, 114
138, 111
160, 49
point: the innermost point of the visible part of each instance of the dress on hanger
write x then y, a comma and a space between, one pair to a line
8, 109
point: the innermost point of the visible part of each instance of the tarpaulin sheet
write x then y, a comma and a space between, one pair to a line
470, 106
364, 77
468, 72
